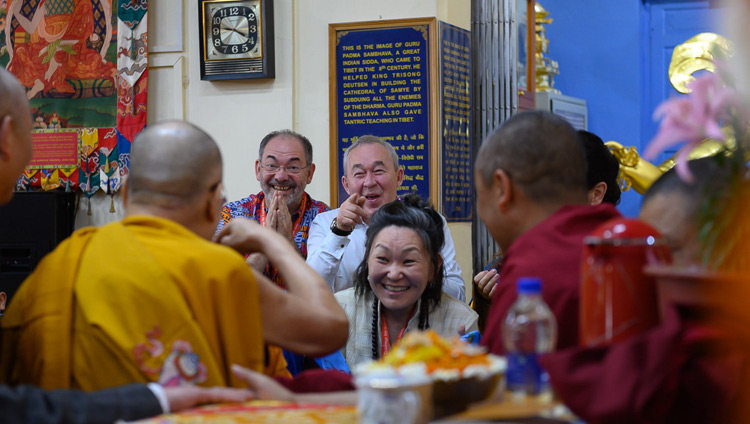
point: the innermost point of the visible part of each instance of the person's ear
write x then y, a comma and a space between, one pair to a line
503, 186
6, 125
257, 169
345, 183
399, 176
213, 204
310, 172
3, 299
596, 193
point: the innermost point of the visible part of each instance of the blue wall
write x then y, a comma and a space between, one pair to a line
598, 45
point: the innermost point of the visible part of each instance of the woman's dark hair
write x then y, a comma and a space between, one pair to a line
603, 166
413, 213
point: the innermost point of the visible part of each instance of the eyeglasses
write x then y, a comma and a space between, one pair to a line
289, 169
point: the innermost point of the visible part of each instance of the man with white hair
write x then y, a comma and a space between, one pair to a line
336, 244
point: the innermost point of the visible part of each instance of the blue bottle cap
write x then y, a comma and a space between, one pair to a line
529, 285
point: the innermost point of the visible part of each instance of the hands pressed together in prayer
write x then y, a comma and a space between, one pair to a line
278, 217
279, 220
352, 213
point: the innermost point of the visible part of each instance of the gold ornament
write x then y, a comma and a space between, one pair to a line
639, 173
546, 68
696, 54
635, 171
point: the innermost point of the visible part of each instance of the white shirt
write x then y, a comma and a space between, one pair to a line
160, 395
336, 258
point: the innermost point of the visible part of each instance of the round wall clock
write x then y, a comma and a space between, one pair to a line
236, 39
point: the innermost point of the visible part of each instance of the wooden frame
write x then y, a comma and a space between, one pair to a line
335, 32
527, 99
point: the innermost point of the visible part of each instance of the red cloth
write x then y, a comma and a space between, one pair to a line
552, 251
131, 106
318, 381
680, 371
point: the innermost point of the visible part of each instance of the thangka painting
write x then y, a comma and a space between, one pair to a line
84, 66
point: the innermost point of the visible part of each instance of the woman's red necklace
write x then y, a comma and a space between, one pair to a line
385, 336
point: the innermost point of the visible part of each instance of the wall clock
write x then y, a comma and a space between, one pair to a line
236, 39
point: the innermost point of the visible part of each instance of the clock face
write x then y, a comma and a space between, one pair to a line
232, 29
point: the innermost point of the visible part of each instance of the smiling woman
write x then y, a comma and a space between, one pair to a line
398, 286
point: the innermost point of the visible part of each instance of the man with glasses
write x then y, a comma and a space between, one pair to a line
284, 168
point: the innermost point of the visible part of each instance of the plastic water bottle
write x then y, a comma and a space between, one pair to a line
529, 329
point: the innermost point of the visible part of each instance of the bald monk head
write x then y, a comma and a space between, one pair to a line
15, 139
176, 173
673, 206
525, 171
15, 133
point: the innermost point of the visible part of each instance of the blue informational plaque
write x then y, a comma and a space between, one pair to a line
455, 114
383, 74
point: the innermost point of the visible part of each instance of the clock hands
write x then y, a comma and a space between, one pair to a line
244, 34
235, 30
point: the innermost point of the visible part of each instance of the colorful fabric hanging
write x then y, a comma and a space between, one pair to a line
92, 77
131, 58
131, 11
49, 179
131, 106
69, 178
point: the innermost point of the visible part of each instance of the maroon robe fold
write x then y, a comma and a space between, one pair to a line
682, 371
318, 381
552, 251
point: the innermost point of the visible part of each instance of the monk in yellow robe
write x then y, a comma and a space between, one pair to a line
151, 299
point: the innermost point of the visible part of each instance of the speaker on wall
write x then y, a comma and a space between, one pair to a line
32, 224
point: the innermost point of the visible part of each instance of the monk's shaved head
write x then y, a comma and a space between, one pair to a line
15, 133
172, 163
541, 154
13, 97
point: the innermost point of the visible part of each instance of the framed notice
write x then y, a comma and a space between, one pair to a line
455, 119
383, 77
54, 149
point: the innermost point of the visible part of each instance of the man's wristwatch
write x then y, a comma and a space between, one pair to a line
338, 231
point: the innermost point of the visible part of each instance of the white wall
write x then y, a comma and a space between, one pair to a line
239, 113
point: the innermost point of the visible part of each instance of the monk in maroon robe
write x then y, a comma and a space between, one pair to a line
692, 368
531, 183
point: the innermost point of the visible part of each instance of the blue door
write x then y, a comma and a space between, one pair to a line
670, 23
